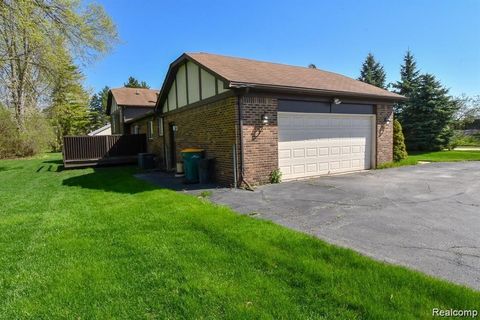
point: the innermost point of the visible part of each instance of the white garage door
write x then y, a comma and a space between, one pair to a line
312, 144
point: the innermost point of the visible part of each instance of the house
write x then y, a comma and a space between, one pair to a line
254, 117
106, 130
126, 104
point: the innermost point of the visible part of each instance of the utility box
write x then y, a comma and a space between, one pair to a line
206, 169
146, 161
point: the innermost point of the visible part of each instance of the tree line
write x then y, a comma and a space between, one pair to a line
43, 44
430, 114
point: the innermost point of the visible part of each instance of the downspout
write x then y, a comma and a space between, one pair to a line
240, 124
240, 134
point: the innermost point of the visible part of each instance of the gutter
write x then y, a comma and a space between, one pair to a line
315, 91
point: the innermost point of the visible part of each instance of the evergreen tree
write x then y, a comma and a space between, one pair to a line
98, 107
409, 76
372, 72
399, 149
428, 117
134, 83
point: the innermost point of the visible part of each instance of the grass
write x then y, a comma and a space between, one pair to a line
434, 156
98, 243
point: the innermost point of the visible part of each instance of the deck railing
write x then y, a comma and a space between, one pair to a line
87, 150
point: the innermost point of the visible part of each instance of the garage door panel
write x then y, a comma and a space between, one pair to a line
284, 154
312, 167
299, 153
323, 167
315, 144
334, 151
298, 169
311, 152
323, 151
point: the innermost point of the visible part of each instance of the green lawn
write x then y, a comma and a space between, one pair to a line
434, 156
446, 156
85, 244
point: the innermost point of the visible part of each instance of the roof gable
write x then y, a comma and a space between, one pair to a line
188, 82
132, 97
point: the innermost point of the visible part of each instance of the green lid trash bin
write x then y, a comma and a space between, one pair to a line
191, 157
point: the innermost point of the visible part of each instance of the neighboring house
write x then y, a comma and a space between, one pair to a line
262, 116
125, 104
106, 130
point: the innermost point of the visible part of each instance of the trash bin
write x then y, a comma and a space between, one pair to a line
191, 157
146, 160
206, 170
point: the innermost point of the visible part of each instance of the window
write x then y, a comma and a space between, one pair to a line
150, 129
160, 126
135, 129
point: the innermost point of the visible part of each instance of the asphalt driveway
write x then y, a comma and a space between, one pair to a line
426, 217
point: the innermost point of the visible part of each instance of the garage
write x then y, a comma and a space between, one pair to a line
256, 117
318, 142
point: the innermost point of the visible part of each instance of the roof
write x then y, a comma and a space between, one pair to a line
99, 130
140, 117
240, 72
132, 97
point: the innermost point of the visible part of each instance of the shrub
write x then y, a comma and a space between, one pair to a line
36, 136
276, 176
399, 149
461, 139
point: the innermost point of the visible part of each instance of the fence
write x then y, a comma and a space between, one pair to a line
95, 150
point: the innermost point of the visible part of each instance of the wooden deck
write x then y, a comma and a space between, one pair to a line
87, 151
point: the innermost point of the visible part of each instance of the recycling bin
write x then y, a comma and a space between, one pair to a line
191, 158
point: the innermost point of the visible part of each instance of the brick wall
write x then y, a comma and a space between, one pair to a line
384, 133
260, 142
210, 127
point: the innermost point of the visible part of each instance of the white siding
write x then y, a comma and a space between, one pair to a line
172, 99
193, 84
208, 84
220, 87
181, 81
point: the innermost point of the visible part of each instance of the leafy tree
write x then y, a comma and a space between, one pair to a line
399, 149
428, 117
134, 83
98, 107
312, 66
409, 77
38, 38
372, 72
468, 111
8, 136
69, 113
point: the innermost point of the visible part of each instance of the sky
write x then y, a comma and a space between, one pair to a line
444, 36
